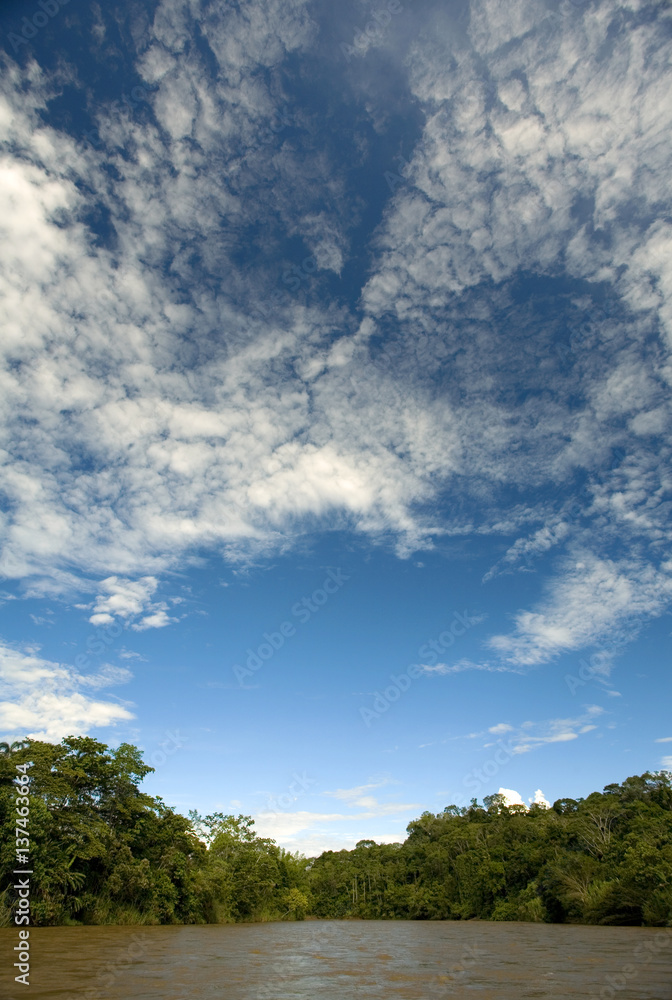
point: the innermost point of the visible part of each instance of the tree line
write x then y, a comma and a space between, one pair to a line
103, 852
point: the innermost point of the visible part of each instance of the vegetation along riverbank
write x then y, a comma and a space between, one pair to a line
103, 852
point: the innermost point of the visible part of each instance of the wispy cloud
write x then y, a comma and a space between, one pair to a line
155, 406
501, 727
592, 599
464, 664
310, 831
48, 700
357, 796
530, 735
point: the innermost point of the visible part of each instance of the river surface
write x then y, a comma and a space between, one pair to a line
340, 960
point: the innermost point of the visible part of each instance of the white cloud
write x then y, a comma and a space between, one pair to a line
173, 409
48, 700
577, 123
313, 832
511, 798
127, 599
464, 664
284, 825
591, 600
540, 799
526, 548
124, 598
130, 654
532, 735
357, 796
501, 727
312, 844
158, 619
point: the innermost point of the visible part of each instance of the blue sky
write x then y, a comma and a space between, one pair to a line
336, 399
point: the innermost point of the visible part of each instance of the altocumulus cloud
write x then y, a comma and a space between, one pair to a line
127, 599
153, 405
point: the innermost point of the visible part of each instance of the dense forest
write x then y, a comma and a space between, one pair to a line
103, 852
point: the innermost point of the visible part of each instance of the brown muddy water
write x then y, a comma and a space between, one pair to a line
339, 960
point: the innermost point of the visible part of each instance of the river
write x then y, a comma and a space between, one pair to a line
339, 960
